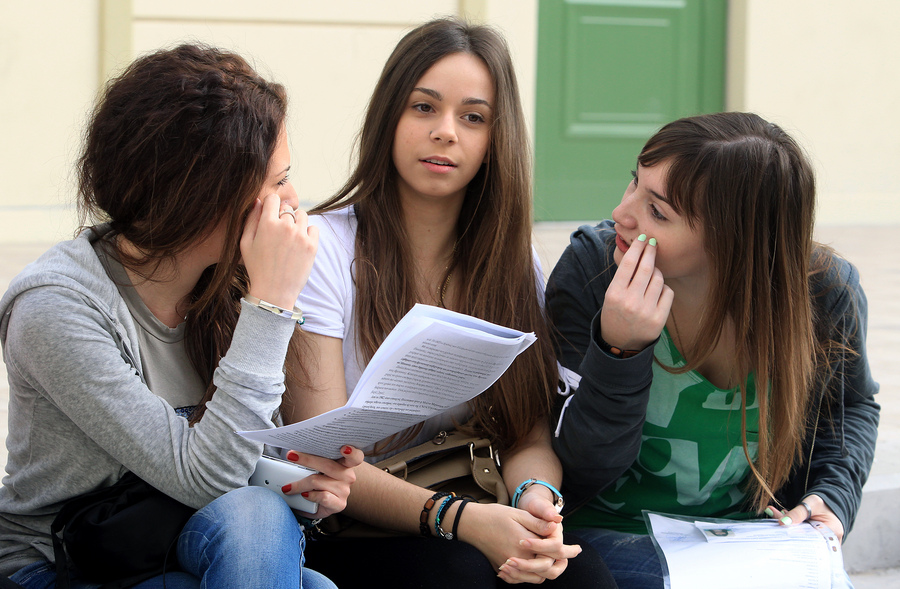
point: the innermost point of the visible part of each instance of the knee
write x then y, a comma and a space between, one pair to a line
253, 510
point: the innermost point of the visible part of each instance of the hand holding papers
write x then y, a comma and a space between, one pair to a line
705, 552
433, 360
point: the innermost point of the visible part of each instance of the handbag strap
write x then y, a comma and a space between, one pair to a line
441, 443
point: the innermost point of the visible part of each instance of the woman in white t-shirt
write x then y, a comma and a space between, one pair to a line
438, 211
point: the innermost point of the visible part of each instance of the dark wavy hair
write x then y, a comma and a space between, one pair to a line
179, 143
493, 255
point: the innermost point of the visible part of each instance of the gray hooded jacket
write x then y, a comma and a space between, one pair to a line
81, 415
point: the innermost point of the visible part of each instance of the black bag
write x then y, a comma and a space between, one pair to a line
118, 535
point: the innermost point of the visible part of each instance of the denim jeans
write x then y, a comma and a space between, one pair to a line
631, 558
634, 563
246, 538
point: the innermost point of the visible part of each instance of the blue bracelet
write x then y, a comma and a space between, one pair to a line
558, 501
442, 510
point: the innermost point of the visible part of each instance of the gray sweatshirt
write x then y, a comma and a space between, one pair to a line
81, 414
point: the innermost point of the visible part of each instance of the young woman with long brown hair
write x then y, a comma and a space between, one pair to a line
721, 350
437, 211
145, 342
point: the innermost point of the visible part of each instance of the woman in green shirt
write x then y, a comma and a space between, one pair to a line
706, 283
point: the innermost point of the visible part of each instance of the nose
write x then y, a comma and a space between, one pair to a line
623, 214
445, 130
289, 195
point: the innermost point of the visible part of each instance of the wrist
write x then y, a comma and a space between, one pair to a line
294, 314
615, 351
529, 485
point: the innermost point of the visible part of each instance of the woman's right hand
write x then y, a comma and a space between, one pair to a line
499, 532
278, 250
331, 486
637, 302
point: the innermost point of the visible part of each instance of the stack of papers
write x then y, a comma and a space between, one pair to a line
714, 553
433, 360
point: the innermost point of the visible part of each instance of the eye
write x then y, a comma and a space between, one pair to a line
284, 180
423, 107
655, 211
634, 176
473, 117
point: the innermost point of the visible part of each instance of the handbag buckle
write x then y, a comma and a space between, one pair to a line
440, 438
494, 457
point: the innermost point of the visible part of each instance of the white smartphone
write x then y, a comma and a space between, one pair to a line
275, 473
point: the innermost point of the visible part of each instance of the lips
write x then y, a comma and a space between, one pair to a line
439, 161
620, 243
438, 164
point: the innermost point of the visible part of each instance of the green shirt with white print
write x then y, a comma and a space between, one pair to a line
691, 460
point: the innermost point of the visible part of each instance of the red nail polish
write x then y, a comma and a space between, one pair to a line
347, 450
305, 494
293, 456
286, 488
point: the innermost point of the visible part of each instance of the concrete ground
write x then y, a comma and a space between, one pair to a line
871, 552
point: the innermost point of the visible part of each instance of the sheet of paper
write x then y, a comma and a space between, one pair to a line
432, 361
704, 553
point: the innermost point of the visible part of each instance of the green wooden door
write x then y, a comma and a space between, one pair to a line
610, 73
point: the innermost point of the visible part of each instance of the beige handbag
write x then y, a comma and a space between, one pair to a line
451, 461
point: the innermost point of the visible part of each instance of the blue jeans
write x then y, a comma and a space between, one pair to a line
246, 538
631, 558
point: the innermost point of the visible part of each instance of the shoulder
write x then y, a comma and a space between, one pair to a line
588, 256
65, 283
337, 239
339, 225
834, 282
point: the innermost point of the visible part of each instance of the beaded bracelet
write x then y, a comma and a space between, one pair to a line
454, 534
442, 511
426, 509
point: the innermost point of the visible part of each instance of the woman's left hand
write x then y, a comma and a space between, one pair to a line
818, 511
551, 554
331, 486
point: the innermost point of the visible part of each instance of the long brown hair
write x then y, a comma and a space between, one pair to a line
177, 143
492, 262
752, 189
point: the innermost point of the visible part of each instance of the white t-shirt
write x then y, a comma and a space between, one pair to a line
328, 298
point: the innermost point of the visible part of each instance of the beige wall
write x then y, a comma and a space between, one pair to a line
827, 71
824, 69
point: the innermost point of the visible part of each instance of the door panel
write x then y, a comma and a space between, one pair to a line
610, 73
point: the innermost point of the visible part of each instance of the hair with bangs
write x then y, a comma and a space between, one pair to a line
751, 188
179, 143
493, 256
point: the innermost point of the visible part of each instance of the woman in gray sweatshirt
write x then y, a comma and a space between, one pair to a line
144, 343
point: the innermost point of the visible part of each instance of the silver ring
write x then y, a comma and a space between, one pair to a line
288, 212
808, 510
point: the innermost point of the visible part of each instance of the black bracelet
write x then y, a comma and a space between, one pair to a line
445, 506
454, 534
426, 509
614, 351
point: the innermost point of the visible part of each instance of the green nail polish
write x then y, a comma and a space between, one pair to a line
642, 237
769, 512
652, 241
786, 520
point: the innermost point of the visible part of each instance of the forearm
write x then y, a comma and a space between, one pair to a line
599, 431
533, 458
385, 501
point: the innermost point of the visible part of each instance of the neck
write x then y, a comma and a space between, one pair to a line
431, 228
165, 288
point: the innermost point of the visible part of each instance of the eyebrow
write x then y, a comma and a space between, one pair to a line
655, 194
287, 169
438, 96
